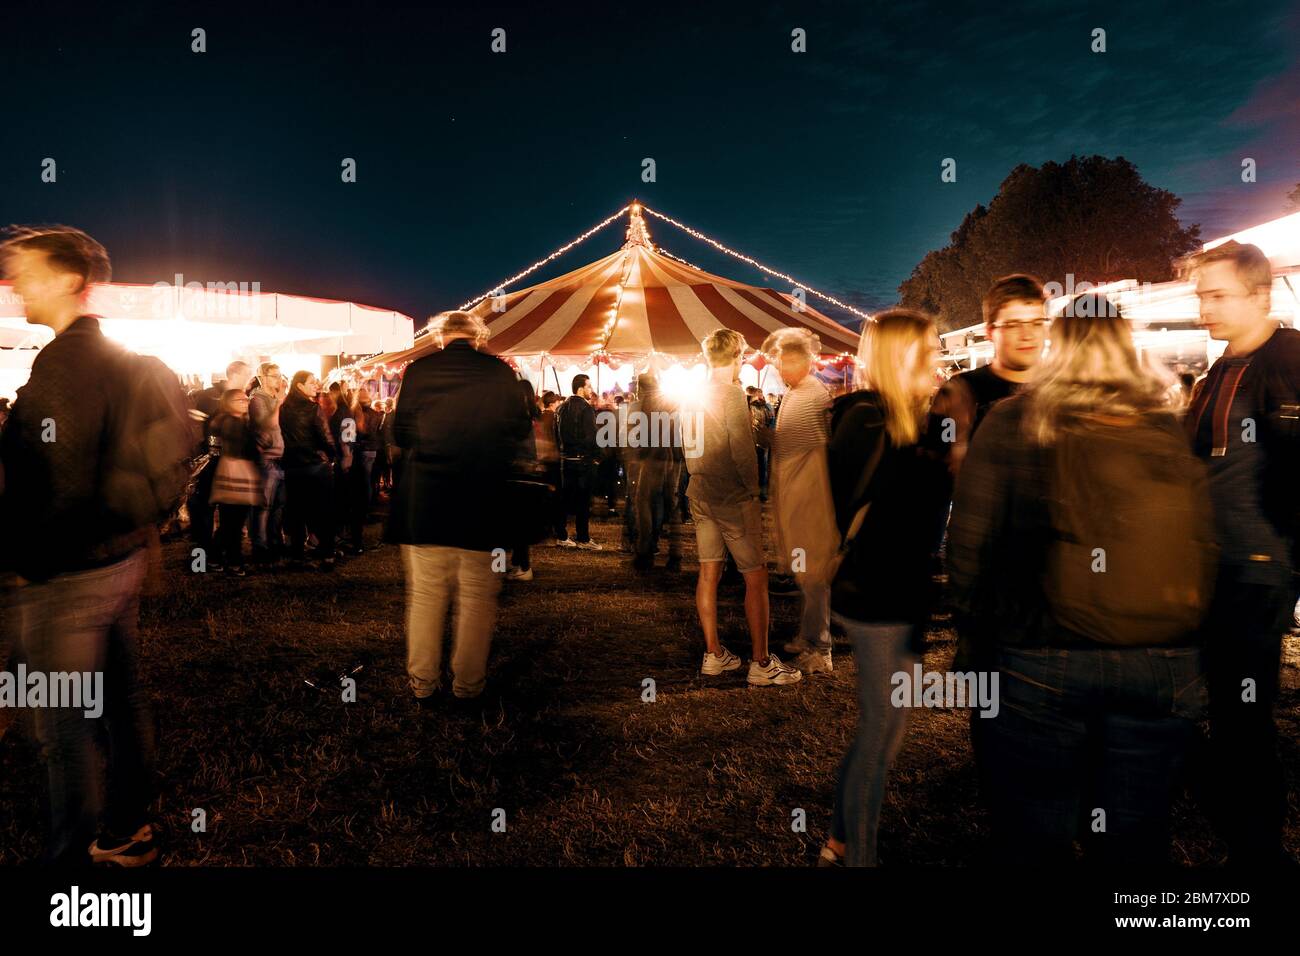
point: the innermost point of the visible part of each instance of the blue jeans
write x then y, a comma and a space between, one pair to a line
86, 621
881, 650
265, 524
1082, 730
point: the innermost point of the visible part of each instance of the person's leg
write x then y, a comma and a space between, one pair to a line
275, 513
706, 604
519, 555
323, 527
297, 492
881, 650
742, 530
130, 725
430, 577
572, 480
65, 625
757, 611
1036, 753
671, 518
258, 516
630, 514
202, 512
559, 520
582, 515
1155, 699
815, 621
476, 608
649, 482
1243, 657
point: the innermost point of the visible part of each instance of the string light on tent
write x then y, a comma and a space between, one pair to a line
536, 265
756, 264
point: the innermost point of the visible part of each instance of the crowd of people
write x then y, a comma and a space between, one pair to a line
1119, 547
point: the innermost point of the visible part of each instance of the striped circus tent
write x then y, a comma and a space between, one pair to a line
630, 304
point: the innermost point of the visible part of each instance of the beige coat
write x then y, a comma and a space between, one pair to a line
801, 484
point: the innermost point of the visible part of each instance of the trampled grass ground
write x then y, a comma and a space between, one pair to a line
586, 772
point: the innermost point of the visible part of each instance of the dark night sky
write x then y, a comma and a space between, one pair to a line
225, 166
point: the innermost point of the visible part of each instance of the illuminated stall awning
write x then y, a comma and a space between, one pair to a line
200, 329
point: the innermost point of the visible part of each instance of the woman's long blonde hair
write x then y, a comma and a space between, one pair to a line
1092, 368
888, 352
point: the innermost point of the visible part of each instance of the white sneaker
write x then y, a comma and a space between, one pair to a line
799, 645
774, 673
812, 661
519, 574
566, 543
714, 665
588, 546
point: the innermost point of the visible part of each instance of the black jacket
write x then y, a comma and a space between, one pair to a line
886, 575
53, 517
575, 427
307, 439
460, 418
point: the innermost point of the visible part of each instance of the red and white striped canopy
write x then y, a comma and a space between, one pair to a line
632, 303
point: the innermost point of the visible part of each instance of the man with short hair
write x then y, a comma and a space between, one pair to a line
728, 516
575, 430
264, 418
1015, 321
79, 556
460, 418
1244, 420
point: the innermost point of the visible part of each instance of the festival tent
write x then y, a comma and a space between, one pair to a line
622, 309
197, 330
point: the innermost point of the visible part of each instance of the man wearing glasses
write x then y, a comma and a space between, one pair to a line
1015, 320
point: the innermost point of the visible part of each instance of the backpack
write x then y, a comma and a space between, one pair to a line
1131, 559
151, 438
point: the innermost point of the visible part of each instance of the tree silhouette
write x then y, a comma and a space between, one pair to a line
1092, 218
1293, 199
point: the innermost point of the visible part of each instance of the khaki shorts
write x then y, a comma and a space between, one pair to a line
736, 528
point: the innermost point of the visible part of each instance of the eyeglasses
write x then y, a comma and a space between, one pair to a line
1034, 324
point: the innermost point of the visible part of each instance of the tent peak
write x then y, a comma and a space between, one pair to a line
637, 232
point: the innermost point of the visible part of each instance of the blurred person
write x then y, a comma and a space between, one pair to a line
575, 430
1081, 537
1015, 321
881, 591
728, 517
92, 457
266, 521
806, 534
309, 454
764, 419
237, 486
659, 467
1244, 422
528, 476
207, 404
367, 426
548, 453
459, 421
391, 446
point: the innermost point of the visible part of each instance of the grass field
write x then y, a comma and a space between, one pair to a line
587, 773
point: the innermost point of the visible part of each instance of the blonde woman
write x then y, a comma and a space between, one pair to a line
881, 592
806, 535
1081, 547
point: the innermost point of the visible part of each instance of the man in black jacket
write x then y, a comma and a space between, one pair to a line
80, 561
309, 453
460, 416
575, 425
1244, 420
